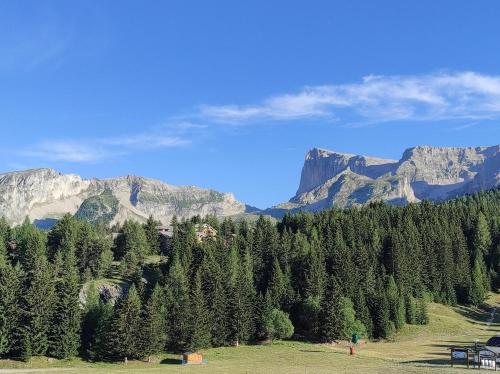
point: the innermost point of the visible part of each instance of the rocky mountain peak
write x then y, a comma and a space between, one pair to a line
423, 172
43, 194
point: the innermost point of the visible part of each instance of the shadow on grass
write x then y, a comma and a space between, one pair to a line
433, 362
479, 315
171, 361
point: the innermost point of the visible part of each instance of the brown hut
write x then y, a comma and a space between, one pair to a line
192, 358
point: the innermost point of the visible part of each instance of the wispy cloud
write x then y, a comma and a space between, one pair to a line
440, 96
98, 149
147, 141
64, 150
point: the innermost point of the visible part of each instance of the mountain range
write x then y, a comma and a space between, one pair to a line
328, 179
45, 194
333, 179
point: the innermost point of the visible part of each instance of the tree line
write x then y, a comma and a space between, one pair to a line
315, 276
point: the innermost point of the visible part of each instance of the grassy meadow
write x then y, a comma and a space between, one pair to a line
416, 349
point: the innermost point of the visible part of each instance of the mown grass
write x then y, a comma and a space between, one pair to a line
415, 349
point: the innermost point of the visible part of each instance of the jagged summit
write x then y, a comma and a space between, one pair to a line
331, 178
321, 165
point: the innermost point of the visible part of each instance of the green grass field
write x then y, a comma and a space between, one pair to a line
416, 349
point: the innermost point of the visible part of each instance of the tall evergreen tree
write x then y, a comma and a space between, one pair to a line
240, 302
199, 335
154, 327
126, 325
331, 318
37, 302
478, 291
178, 307
152, 235
10, 291
66, 319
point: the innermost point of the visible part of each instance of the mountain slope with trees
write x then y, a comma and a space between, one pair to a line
316, 276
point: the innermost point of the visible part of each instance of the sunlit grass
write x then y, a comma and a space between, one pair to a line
415, 349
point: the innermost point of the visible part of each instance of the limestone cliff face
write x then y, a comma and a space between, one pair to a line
338, 179
44, 193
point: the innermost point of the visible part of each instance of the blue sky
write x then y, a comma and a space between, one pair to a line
230, 94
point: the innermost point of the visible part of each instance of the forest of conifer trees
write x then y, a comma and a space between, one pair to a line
313, 276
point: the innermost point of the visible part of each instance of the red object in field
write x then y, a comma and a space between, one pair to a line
351, 350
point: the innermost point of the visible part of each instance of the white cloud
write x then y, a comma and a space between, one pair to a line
441, 96
147, 141
64, 150
95, 150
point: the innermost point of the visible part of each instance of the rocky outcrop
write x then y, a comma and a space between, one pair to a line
43, 194
338, 179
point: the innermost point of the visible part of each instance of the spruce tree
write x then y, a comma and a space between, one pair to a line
382, 327
126, 325
178, 307
482, 236
265, 307
199, 336
396, 304
90, 319
10, 291
331, 318
410, 309
154, 327
101, 343
240, 302
152, 235
37, 301
65, 326
478, 291
422, 315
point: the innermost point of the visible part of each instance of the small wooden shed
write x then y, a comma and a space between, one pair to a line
192, 358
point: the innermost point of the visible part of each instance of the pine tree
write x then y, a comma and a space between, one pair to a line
240, 302
10, 291
478, 291
199, 336
363, 313
90, 319
65, 326
382, 327
264, 311
152, 235
410, 309
422, 316
278, 286
101, 343
37, 305
396, 304
215, 290
331, 321
482, 236
64, 231
154, 327
178, 307
126, 325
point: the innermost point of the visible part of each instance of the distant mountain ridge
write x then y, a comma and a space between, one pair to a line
328, 179
333, 179
45, 194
